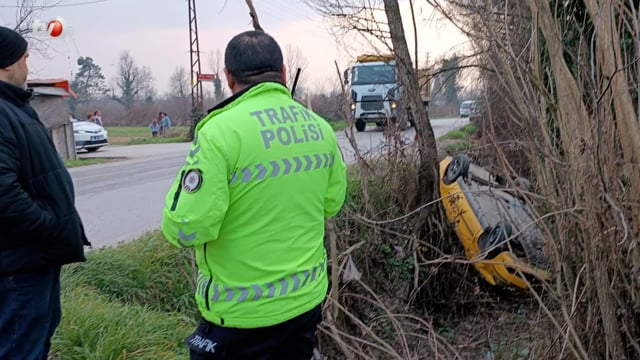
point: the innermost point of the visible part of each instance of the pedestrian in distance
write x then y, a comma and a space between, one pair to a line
154, 127
97, 117
161, 124
165, 124
261, 176
41, 229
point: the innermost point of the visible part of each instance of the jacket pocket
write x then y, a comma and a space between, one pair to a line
66, 244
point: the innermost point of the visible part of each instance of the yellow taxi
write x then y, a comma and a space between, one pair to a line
495, 226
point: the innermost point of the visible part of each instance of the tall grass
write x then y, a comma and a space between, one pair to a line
95, 327
461, 134
128, 131
130, 302
148, 272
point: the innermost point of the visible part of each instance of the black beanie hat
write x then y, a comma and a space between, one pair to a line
12, 47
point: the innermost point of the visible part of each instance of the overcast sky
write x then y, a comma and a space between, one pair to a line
156, 34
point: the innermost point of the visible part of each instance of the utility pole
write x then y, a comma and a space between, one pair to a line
197, 111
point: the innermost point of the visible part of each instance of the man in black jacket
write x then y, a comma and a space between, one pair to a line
40, 229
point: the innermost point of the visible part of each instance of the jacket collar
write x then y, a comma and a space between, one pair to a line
14, 94
245, 93
239, 94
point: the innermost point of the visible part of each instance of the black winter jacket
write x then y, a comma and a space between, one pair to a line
39, 224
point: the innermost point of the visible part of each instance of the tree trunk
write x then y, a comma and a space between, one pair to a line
428, 168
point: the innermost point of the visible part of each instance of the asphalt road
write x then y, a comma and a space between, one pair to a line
122, 200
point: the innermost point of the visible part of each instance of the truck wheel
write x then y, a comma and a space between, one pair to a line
459, 166
360, 125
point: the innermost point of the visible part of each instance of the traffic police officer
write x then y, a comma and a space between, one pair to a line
260, 178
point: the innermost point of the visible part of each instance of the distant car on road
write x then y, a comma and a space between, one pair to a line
495, 226
89, 136
467, 108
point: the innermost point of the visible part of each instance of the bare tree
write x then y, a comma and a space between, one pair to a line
179, 92
146, 89
381, 22
216, 63
179, 83
127, 80
254, 16
364, 17
407, 176
294, 59
26, 9
446, 87
26, 12
133, 82
428, 168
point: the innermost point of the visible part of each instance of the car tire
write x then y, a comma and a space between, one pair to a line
360, 125
523, 184
459, 166
93, 149
495, 239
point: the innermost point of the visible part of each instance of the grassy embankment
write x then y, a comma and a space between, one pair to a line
135, 135
84, 162
458, 140
130, 302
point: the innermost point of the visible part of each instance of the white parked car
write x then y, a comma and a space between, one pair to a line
89, 136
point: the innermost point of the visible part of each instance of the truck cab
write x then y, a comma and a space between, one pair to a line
375, 90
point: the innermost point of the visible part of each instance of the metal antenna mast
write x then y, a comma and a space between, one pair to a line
197, 112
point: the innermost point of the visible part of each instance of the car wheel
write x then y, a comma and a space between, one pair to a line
523, 184
360, 125
93, 149
459, 166
494, 240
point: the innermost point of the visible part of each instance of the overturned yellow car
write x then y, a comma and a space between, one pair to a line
494, 225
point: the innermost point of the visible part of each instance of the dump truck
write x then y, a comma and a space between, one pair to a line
375, 90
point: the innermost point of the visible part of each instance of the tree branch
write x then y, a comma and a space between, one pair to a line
254, 16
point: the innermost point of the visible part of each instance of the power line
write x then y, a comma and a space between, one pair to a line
89, 2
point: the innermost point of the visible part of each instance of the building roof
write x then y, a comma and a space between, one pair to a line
51, 87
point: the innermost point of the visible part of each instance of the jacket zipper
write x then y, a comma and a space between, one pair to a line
206, 293
176, 195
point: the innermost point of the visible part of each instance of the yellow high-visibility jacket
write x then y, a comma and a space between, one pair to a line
260, 178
